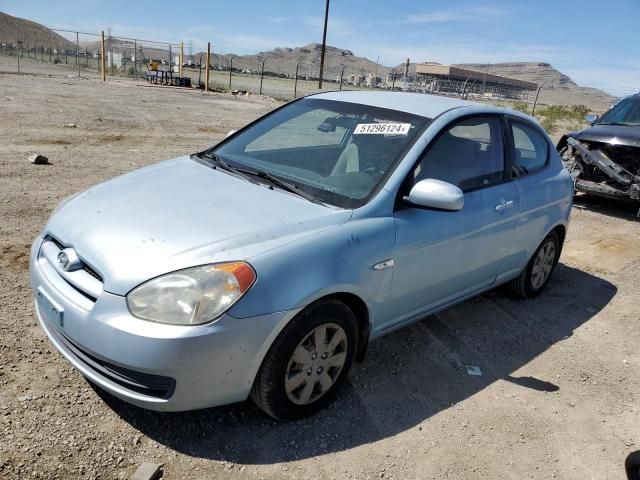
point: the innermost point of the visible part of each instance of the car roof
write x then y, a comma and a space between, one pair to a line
422, 104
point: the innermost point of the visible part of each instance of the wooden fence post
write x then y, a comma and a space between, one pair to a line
181, 58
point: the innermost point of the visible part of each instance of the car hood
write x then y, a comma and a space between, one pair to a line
613, 134
177, 214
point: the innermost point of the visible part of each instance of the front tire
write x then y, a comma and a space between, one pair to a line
308, 361
534, 278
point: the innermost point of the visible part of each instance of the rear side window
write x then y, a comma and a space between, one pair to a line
530, 150
468, 154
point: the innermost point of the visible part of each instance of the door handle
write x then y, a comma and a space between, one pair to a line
502, 206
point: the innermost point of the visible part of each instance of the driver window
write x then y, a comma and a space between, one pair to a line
469, 154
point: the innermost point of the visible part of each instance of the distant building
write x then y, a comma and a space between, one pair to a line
356, 79
373, 80
436, 78
114, 59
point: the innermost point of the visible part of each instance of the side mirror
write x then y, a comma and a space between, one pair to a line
231, 132
432, 193
591, 118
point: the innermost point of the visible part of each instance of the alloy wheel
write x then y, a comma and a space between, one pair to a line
543, 264
316, 363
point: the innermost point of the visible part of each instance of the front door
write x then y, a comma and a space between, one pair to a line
444, 256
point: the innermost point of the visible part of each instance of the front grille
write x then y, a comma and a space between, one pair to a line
91, 272
55, 241
144, 383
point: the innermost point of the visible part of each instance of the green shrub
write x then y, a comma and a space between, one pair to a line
580, 111
549, 124
521, 107
549, 115
564, 112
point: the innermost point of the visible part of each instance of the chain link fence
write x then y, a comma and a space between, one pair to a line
81, 54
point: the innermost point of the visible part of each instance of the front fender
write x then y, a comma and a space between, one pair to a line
337, 260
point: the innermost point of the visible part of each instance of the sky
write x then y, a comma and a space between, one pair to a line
592, 41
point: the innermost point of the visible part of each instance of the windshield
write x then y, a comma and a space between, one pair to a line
339, 152
627, 112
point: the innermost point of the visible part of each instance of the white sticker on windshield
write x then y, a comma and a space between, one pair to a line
382, 128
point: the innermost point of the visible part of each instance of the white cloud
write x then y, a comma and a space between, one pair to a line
278, 19
456, 15
449, 51
336, 28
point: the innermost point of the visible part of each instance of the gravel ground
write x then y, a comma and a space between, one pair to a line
558, 396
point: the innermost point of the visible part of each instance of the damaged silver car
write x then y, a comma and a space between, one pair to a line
604, 159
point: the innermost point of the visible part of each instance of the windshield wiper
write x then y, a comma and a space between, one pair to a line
282, 185
246, 174
219, 162
623, 124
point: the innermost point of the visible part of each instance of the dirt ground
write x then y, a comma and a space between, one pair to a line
559, 395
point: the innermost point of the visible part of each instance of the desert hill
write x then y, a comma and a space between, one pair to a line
14, 30
558, 88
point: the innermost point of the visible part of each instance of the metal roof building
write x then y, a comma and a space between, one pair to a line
436, 78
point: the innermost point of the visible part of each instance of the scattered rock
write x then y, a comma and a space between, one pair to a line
38, 159
147, 471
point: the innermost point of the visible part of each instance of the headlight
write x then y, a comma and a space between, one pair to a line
193, 295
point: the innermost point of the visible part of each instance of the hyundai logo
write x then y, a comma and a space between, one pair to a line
68, 260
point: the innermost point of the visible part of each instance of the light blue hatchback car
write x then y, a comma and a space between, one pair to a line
264, 266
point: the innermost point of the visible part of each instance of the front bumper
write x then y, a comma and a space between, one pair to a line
155, 366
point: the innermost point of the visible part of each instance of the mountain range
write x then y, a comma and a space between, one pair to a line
558, 88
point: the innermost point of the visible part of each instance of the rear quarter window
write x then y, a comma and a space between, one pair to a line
531, 149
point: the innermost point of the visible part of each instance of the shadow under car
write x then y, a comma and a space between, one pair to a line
407, 377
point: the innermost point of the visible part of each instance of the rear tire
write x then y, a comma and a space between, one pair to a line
308, 361
534, 278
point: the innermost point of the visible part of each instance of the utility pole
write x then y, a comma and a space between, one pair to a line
102, 52
324, 43
78, 52
206, 72
375, 77
18, 55
484, 81
108, 52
